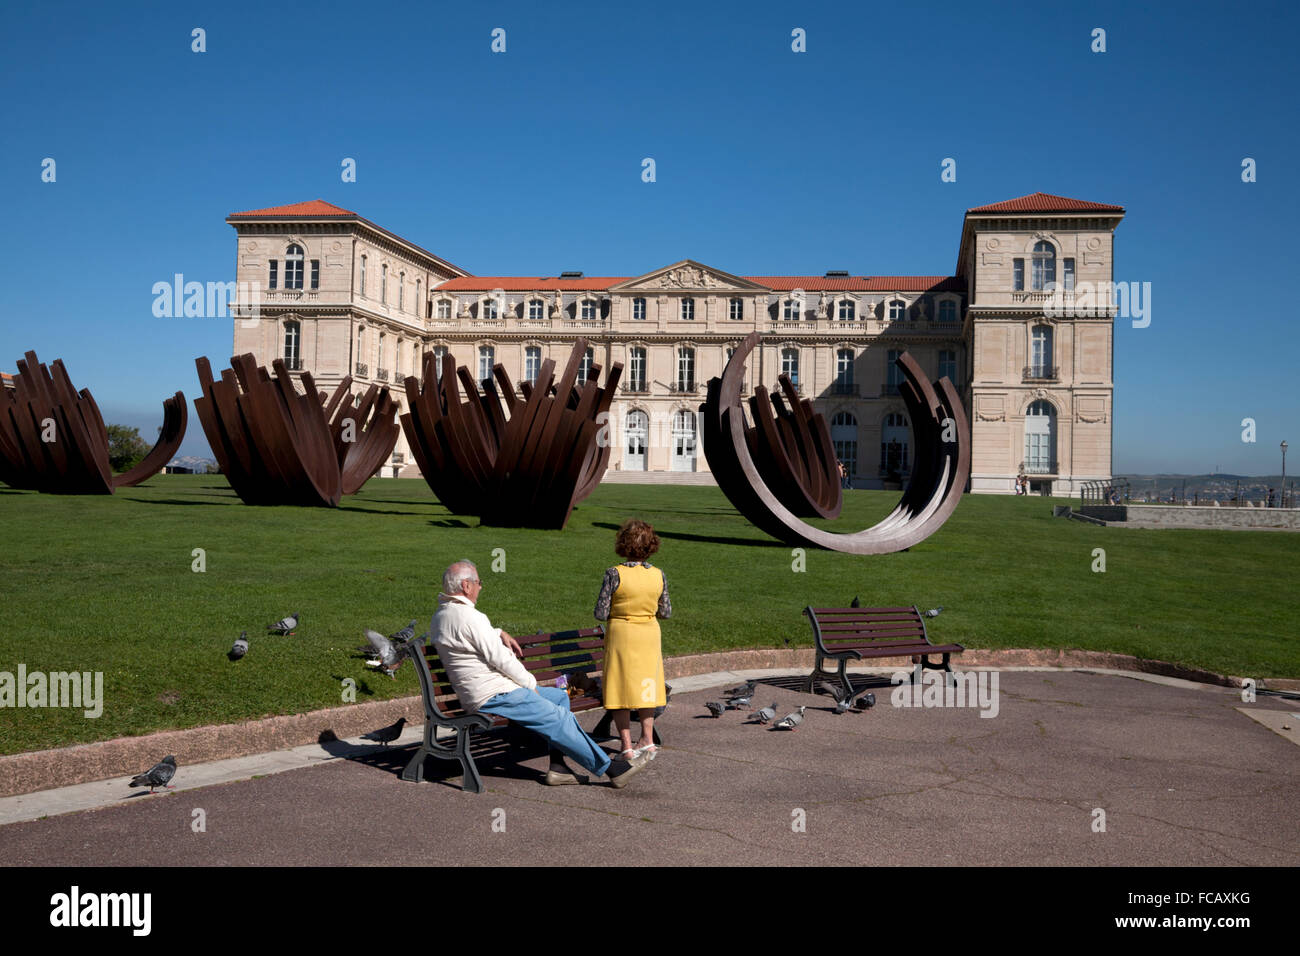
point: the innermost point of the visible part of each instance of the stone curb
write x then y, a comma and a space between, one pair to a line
126, 756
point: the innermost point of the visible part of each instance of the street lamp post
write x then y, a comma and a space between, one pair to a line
1284, 469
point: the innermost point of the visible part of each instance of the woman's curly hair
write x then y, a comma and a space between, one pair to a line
636, 540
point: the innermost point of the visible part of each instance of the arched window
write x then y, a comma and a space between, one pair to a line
897, 310
1044, 274
363, 276
638, 434
844, 436
1040, 439
683, 441
894, 437
292, 346
848, 310
1040, 362
293, 267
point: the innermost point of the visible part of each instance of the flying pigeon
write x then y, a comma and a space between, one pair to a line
735, 703
157, 775
386, 735
240, 648
285, 625
716, 707
865, 702
764, 715
934, 611
384, 651
791, 721
744, 690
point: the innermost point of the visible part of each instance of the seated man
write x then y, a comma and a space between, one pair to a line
482, 665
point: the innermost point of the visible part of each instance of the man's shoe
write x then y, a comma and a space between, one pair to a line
559, 778
620, 771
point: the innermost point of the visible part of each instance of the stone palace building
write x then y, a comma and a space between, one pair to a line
341, 295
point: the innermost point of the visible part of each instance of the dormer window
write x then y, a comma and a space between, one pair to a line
488, 309
444, 308
792, 309
848, 310
536, 310
897, 310
947, 310
589, 309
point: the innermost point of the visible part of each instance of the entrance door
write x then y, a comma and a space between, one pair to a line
638, 429
683, 441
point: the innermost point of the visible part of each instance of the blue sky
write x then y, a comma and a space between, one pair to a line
768, 162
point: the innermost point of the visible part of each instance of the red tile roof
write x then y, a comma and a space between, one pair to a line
1045, 202
312, 209
775, 283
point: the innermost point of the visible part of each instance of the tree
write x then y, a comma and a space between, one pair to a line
126, 448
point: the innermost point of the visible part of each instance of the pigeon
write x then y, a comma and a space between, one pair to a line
404, 635
855, 602
764, 715
865, 702
735, 703
744, 690
384, 651
934, 611
386, 735
791, 721
157, 775
285, 625
716, 707
240, 648
842, 705
831, 689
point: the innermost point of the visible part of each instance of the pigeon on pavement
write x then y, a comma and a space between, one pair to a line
735, 703
791, 721
285, 625
865, 702
716, 707
240, 648
842, 705
386, 735
764, 715
744, 690
157, 776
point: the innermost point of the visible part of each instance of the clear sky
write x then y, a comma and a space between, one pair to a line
768, 162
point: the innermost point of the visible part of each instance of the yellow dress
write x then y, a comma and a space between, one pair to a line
634, 663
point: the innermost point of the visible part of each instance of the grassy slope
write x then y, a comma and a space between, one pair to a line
105, 584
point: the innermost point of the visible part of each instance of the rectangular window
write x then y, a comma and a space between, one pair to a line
383, 284
792, 310
584, 367
444, 309
948, 365
486, 359
401, 292
737, 309
638, 309
363, 276
844, 370
1069, 275
532, 363
636, 371
536, 310
438, 352
686, 370
893, 374
790, 364
275, 269
848, 310
688, 310
588, 309
315, 273
1018, 275
488, 309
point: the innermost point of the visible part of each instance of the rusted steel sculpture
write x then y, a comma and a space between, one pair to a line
278, 446
793, 449
525, 470
53, 438
756, 469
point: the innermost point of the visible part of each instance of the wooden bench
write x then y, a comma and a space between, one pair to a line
846, 634
576, 654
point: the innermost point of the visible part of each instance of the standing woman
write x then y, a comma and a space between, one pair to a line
632, 596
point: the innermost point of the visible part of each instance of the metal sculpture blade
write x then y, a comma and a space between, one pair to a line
775, 474
53, 438
516, 462
277, 445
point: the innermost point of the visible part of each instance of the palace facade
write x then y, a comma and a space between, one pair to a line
340, 296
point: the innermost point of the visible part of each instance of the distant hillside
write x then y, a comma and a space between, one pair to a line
1223, 487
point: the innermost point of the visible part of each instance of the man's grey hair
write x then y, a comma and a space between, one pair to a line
455, 576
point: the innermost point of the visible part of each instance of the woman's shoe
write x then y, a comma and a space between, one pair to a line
629, 754
650, 751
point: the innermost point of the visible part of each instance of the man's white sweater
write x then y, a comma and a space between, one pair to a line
478, 663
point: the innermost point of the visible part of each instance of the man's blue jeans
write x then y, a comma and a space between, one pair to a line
546, 712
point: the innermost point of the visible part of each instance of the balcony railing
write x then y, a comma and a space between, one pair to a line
381, 374
293, 364
682, 387
844, 388
1042, 373
1039, 468
635, 388
363, 370
399, 378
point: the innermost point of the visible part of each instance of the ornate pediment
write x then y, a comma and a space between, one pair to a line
687, 276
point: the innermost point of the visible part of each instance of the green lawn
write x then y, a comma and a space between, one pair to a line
105, 584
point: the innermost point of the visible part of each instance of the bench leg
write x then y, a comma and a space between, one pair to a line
414, 771
471, 781
949, 677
